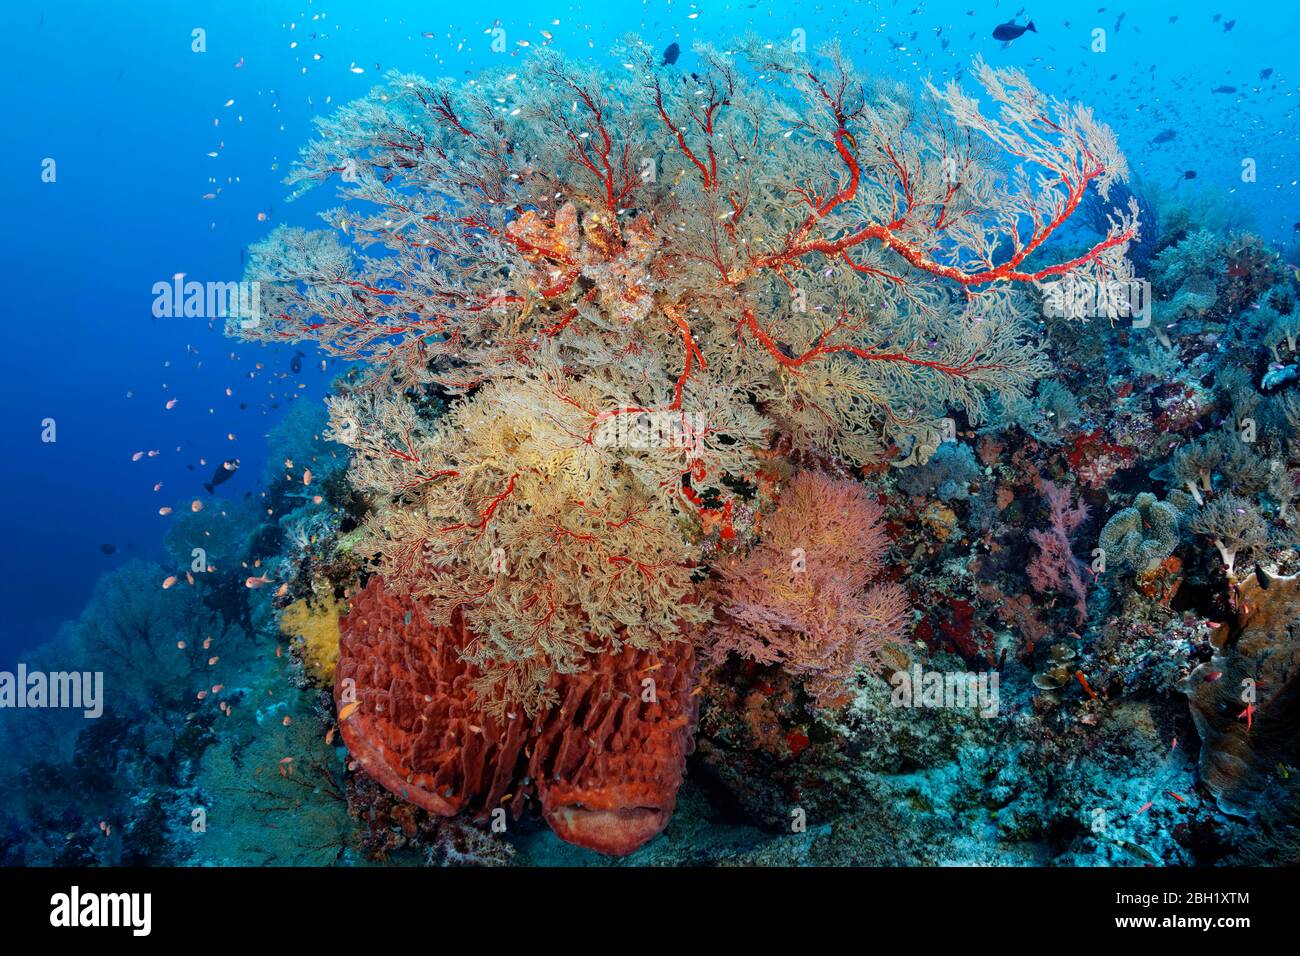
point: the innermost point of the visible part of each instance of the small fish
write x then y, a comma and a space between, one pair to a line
1164, 136
108, 548
1190, 174
252, 583
295, 366
1224, 89
1249, 714
671, 54
1006, 32
169, 581
348, 710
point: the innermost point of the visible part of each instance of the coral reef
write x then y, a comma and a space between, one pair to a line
649, 486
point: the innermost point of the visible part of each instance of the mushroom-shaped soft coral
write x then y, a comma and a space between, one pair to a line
1234, 524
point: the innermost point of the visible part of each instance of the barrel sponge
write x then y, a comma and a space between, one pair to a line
603, 765
1141, 536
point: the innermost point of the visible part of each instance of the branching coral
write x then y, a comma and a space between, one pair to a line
803, 598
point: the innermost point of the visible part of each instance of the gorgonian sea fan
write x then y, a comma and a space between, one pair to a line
770, 246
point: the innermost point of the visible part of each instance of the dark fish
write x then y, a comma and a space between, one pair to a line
1229, 25
1262, 577
671, 54
1190, 174
1265, 73
108, 548
296, 365
224, 473
1224, 89
1164, 136
1011, 30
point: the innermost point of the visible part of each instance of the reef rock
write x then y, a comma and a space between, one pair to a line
604, 764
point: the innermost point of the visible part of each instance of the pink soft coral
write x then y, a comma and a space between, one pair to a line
803, 597
1054, 567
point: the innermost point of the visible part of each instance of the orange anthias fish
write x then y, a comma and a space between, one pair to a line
1249, 714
